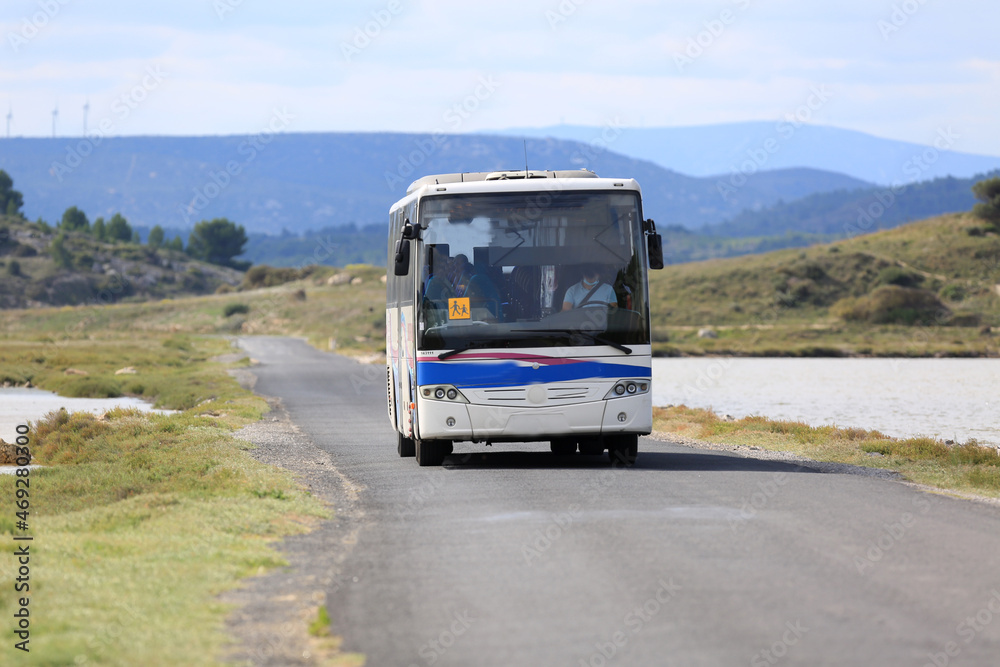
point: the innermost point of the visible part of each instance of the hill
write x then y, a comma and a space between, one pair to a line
853, 212
925, 287
86, 271
711, 150
331, 246
303, 182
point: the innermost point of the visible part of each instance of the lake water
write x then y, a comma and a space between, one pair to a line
950, 399
18, 405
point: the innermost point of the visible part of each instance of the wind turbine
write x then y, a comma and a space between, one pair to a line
55, 114
10, 116
86, 110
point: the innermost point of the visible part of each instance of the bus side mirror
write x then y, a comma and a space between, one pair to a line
402, 258
654, 245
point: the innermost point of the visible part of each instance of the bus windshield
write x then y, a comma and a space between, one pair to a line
532, 269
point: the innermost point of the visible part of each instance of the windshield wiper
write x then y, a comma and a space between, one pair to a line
597, 338
464, 348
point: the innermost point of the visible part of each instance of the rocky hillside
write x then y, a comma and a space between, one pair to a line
40, 266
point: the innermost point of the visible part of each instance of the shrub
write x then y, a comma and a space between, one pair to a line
892, 304
895, 275
235, 308
953, 292
14, 268
263, 275
94, 387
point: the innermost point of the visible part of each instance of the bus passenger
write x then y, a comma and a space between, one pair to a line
590, 291
438, 285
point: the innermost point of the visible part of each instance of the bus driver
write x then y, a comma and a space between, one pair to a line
590, 291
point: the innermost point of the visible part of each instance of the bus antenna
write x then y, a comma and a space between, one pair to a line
525, 159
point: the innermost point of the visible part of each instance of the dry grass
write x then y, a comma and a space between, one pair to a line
969, 467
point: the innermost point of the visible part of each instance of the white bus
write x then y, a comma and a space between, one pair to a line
518, 310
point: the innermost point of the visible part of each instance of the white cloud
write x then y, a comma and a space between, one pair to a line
596, 61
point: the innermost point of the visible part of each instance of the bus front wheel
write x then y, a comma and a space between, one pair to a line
405, 446
432, 452
623, 449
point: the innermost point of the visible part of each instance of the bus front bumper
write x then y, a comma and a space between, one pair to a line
464, 421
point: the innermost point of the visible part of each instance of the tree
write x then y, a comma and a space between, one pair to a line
98, 230
11, 200
217, 242
62, 256
988, 193
176, 243
156, 237
118, 229
74, 220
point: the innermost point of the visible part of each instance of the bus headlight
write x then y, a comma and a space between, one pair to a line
443, 392
628, 388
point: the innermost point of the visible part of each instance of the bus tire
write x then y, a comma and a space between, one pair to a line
563, 446
405, 446
432, 452
623, 449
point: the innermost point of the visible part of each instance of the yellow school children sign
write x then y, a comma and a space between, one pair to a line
458, 309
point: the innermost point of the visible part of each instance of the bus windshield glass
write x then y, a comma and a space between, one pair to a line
532, 269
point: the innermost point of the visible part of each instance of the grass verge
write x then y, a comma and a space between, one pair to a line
968, 468
140, 520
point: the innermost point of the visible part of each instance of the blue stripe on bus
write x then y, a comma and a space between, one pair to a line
505, 373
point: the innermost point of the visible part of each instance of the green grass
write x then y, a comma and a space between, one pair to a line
141, 520
351, 315
969, 467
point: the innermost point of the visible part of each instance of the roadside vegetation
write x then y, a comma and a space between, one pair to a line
965, 467
140, 520
76, 262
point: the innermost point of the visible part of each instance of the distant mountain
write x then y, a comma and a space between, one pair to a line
300, 182
711, 150
332, 246
853, 212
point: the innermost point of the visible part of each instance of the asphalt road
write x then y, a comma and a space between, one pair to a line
512, 556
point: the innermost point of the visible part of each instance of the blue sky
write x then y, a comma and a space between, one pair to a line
901, 69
